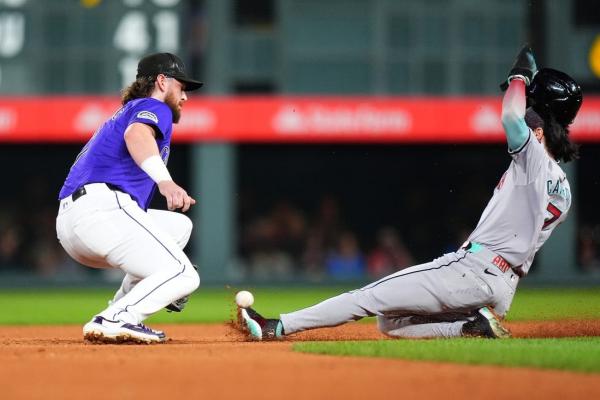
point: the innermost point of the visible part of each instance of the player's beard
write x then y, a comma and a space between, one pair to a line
173, 104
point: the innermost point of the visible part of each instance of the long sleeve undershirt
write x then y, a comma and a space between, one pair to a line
513, 115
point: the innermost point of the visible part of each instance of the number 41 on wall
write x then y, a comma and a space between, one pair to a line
134, 34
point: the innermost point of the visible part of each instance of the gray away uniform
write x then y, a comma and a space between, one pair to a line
435, 299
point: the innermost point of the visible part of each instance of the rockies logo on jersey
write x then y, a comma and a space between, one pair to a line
164, 154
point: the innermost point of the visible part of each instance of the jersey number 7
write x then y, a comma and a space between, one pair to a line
556, 213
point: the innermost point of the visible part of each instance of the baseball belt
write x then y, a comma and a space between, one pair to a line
80, 191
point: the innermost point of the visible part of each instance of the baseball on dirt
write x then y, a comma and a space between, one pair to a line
244, 299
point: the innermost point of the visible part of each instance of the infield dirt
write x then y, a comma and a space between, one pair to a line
215, 362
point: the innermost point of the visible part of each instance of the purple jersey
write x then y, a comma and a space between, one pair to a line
105, 158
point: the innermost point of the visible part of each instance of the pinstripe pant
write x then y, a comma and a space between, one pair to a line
107, 229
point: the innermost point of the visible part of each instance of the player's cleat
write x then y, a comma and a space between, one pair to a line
272, 330
178, 305
249, 325
141, 333
102, 330
258, 327
486, 324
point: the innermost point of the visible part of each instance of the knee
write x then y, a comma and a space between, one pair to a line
185, 230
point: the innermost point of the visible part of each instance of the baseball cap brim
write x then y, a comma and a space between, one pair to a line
190, 84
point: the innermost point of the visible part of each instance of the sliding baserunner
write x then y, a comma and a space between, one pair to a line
469, 291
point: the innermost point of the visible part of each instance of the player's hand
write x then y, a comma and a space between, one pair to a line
176, 196
524, 68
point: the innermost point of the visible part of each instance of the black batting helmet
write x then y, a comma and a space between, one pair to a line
555, 92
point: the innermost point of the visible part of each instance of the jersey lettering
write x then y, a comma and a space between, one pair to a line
501, 263
558, 189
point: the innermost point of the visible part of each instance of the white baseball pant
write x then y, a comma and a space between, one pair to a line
107, 229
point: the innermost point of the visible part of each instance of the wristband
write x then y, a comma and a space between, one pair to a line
521, 77
156, 169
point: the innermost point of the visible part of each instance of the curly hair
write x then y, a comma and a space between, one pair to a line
142, 87
557, 137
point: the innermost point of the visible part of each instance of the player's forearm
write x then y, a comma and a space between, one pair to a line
141, 144
513, 114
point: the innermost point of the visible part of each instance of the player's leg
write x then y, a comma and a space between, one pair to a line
408, 292
109, 228
148, 252
421, 327
444, 284
483, 322
128, 283
178, 226
66, 221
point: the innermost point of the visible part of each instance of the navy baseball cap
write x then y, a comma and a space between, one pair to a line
167, 64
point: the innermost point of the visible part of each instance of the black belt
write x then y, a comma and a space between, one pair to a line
80, 191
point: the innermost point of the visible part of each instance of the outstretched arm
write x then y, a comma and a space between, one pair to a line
515, 101
513, 114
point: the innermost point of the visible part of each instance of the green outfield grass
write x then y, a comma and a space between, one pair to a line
75, 306
574, 354
551, 304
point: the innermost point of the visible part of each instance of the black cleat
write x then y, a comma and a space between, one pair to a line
257, 327
177, 305
486, 325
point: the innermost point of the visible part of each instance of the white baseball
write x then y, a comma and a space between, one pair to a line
244, 299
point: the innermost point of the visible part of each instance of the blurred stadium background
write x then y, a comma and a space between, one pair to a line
334, 140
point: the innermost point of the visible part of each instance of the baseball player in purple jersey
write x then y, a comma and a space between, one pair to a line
103, 219
469, 291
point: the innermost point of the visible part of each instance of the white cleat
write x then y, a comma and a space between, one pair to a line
102, 330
